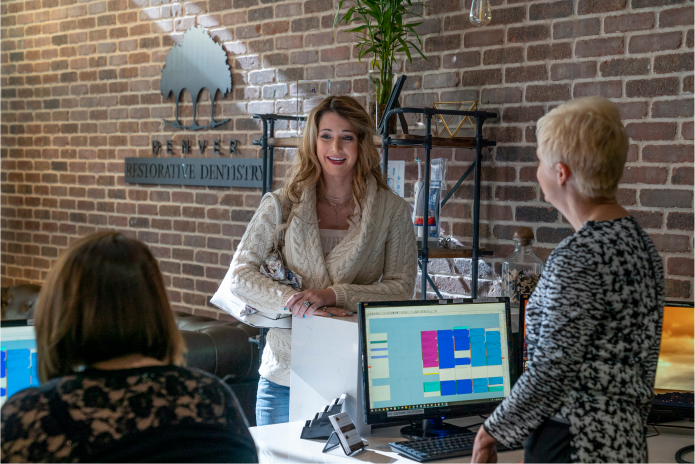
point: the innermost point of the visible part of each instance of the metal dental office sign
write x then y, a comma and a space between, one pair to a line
196, 64
239, 172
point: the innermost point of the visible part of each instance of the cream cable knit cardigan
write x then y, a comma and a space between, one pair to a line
376, 261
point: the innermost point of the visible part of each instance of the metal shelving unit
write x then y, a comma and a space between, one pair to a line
427, 142
268, 143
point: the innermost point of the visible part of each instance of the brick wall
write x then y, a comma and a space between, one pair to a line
80, 93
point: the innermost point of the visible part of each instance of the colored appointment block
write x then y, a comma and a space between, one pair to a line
480, 389
17, 380
495, 381
480, 382
492, 336
18, 363
461, 339
431, 386
494, 360
496, 389
34, 370
448, 387
478, 356
379, 341
445, 343
463, 361
464, 387
18, 353
462, 344
477, 335
18, 370
491, 352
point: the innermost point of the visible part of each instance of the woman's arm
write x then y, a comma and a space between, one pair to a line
252, 287
400, 268
571, 310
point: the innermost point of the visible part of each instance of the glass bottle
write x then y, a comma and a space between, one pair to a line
481, 14
522, 269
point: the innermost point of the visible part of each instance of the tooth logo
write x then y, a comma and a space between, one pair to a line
197, 63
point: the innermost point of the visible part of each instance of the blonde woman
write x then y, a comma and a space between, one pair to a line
346, 234
594, 320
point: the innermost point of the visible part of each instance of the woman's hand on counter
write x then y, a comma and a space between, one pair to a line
332, 311
318, 299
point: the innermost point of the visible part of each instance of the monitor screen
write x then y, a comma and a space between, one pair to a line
434, 358
674, 385
675, 370
18, 366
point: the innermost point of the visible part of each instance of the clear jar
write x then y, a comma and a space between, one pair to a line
522, 269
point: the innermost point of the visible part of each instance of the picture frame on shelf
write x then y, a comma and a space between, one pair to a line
452, 125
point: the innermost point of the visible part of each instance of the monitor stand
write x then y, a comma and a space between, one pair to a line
432, 428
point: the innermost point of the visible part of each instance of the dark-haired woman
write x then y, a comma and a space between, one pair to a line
109, 356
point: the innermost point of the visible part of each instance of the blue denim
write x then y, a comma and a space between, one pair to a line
272, 403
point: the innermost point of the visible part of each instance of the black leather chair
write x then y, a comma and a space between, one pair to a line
223, 349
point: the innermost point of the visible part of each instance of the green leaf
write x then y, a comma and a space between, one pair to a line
383, 32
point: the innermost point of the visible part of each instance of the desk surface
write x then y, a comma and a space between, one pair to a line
281, 443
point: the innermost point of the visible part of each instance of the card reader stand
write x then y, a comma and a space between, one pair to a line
432, 428
334, 440
320, 426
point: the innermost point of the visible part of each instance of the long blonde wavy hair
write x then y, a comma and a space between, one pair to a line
306, 170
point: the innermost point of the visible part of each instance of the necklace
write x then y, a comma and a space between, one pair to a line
337, 199
337, 207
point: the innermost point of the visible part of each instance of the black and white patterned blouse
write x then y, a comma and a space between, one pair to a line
148, 414
593, 330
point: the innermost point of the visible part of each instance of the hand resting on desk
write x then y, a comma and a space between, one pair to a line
485, 448
319, 299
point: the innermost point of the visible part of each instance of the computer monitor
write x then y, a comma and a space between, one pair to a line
674, 385
434, 359
18, 366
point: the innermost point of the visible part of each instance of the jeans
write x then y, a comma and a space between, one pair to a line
272, 403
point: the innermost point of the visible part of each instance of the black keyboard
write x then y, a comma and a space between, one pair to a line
429, 449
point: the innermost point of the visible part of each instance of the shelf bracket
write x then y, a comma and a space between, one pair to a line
458, 184
431, 282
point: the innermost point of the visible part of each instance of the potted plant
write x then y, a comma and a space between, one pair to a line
382, 32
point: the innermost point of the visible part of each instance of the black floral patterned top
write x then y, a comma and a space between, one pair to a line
593, 330
149, 414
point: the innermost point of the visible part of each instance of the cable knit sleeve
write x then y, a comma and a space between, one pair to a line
400, 267
248, 284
